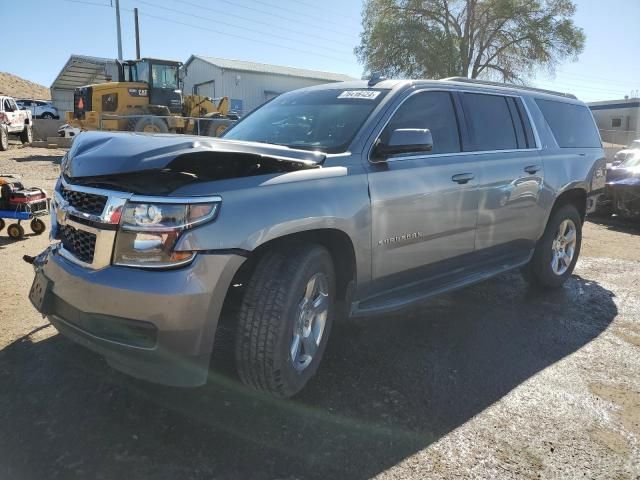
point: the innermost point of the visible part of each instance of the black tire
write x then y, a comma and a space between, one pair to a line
1, 224
26, 136
47, 116
267, 315
37, 226
4, 139
15, 231
148, 124
214, 127
539, 271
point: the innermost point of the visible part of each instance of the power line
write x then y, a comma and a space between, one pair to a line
259, 22
319, 7
83, 2
262, 42
220, 22
289, 19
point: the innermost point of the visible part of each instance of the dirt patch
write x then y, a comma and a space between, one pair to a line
531, 385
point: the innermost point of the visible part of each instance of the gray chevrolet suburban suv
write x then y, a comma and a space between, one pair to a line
347, 199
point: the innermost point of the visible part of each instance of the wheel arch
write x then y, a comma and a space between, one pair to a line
574, 196
337, 242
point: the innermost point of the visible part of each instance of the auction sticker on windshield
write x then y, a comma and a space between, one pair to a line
363, 94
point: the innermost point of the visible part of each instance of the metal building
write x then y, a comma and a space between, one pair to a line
80, 70
617, 120
248, 84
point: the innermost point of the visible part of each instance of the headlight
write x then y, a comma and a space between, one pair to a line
149, 231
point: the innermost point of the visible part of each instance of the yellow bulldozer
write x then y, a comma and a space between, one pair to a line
147, 98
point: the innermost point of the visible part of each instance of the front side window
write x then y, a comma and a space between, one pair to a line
491, 122
323, 120
428, 110
572, 125
164, 76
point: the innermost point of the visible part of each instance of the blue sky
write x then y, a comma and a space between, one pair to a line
300, 33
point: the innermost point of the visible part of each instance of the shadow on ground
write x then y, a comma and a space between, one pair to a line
40, 158
617, 223
389, 387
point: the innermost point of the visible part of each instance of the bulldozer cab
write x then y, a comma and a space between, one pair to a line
162, 77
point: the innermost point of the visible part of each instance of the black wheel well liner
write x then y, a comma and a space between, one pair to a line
335, 241
574, 196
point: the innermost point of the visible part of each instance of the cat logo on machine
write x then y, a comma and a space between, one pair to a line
138, 92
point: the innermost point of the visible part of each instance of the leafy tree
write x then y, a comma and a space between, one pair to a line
495, 39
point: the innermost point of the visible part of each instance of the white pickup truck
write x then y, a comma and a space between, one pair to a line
14, 121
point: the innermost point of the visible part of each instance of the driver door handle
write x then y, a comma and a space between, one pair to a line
463, 178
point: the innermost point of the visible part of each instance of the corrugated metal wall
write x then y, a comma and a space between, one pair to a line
250, 88
62, 100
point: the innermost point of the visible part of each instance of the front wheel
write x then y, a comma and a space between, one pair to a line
27, 135
47, 116
557, 251
285, 318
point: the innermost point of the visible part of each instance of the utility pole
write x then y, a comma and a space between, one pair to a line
119, 31
135, 17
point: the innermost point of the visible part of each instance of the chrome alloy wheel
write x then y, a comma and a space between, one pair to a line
563, 247
308, 328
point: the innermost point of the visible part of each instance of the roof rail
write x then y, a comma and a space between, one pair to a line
508, 85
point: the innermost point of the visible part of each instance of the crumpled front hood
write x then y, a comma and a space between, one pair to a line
96, 154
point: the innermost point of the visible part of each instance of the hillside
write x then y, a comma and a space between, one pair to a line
20, 88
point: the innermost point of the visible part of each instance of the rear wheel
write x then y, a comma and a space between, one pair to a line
4, 139
1, 224
37, 226
47, 115
557, 251
215, 128
285, 319
149, 125
26, 137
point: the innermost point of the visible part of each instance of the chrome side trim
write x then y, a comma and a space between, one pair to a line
154, 199
455, 154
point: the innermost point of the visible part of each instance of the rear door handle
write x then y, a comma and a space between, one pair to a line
463, 177
532, 169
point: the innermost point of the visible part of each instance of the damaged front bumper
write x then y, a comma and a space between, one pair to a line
155, 325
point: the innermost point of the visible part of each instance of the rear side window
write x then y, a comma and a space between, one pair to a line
571, 125
432, 110
491, 122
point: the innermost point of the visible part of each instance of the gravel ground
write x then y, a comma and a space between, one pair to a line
493, 381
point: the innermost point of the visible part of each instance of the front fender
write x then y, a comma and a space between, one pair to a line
257, 210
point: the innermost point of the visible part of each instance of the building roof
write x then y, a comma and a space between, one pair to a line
82, 70
241, 65
614, 104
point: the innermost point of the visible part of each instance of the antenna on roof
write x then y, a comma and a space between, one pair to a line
376, 77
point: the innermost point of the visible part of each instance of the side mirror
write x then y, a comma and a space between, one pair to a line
406, 140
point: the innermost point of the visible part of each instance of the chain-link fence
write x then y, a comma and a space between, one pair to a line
208, 126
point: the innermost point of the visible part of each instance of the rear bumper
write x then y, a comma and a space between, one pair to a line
154, 325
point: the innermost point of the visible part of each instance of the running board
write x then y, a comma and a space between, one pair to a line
418, 292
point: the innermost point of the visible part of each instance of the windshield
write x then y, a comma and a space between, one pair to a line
324, 120
164, 76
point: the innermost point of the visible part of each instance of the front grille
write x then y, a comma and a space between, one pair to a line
79, 243
85, 202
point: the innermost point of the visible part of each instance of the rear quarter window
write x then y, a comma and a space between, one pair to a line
571, 125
